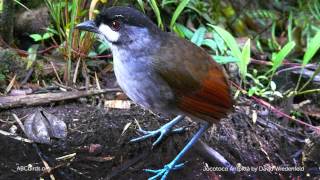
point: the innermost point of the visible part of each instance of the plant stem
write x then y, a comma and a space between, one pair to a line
308, 91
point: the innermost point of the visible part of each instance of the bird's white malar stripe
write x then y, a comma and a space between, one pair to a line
111, 35
119, 15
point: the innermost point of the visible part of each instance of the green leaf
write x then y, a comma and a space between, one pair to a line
277, 93
225, 59
184, 30
290, 35
51, 30
167, 2
102, 47
1, 7
47, 35
229, 40
210, 43
36, 37
278, 58
312, 48
245, 59
18, 2
273, 85
177, 12
92, 54
141, 5
198, 36
32, 55
155, 8
220, 43
252, 91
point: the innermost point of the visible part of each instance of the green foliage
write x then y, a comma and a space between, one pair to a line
277, 58
244, 56
183, 31
312, 48
260, 88
141, 5
65, 15
178, 11
220, 53
32, 55
229, 40
39, 37
245, 59
18, 2
198, 36
155, 8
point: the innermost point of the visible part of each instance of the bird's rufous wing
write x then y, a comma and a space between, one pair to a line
200, 85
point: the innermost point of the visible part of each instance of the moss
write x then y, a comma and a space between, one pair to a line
10, 64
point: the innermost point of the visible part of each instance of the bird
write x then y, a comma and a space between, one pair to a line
163, 73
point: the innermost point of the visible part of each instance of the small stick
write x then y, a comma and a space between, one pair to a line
75, 75
14, 136
63, 86
9, 87
56, 72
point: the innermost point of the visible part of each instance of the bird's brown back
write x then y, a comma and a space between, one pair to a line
199, 83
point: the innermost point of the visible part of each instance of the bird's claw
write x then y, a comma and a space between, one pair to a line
161, 133
163, 173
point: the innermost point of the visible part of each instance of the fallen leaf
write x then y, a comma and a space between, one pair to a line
36, 128
117, 104
41, 126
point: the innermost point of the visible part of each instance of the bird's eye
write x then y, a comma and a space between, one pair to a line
115, 25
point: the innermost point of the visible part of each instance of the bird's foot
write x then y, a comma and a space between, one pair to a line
161, 132
163, 173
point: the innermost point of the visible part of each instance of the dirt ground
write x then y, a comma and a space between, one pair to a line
103, 150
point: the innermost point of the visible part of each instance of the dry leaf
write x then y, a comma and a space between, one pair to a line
117, 104
41, 126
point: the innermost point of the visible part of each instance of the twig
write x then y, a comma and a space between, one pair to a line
75, 75
9, 87
38, 99
19, 122
28, 75
64, 87
55, 71
14, 136
293, 68
213, 156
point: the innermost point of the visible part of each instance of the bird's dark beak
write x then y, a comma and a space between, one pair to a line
88, 26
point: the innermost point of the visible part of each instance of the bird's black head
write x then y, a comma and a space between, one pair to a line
120, 25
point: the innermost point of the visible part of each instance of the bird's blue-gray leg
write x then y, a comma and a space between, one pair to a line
161, 132
174, 164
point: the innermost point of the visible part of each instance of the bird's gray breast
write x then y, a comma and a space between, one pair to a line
140, 83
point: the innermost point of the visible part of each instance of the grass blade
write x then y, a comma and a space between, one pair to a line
177, 12
312, 48
155, 8
279, 57
245, 59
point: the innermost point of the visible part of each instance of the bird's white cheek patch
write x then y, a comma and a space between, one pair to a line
111, 35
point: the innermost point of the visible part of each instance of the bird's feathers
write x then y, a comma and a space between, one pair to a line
199, 83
